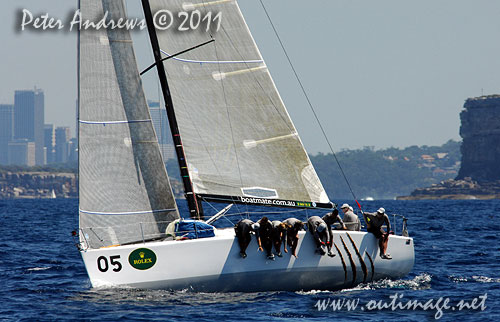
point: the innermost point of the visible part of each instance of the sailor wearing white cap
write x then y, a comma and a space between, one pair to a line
350, 219
374, 222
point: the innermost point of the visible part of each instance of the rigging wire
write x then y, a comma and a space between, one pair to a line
309, 102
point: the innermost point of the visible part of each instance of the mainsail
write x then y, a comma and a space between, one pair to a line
125, 194
239, 140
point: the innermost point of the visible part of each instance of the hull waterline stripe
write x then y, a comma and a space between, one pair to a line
371, 262
343, 262
127, 212
113, 122
353, 265
363, 265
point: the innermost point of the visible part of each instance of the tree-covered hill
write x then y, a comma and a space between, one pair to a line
380, 174
385, 174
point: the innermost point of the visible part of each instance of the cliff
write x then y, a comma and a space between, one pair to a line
479, 174
480, 130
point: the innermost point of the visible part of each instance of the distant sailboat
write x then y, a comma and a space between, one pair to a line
239, 146
53, 194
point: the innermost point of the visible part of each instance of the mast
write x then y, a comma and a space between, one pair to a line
77, 130
194, 205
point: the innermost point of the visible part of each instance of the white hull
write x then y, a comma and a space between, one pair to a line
214, 264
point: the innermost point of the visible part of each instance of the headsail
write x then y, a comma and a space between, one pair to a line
239, 140
125, 195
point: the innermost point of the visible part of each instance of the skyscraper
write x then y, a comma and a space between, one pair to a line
49, 143
160, 122
6, 131
73, 150
62, 144
29, 119
22, 152
162, 129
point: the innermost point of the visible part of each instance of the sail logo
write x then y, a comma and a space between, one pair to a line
304, 204
142, 258
264, 201
278, 202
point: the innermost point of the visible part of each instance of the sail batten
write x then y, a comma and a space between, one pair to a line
236, 131
125, 195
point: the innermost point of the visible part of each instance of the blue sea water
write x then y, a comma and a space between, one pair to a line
457, 249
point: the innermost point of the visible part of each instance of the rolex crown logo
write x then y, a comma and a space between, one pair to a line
142, 259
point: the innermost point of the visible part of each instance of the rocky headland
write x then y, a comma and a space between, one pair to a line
479, 174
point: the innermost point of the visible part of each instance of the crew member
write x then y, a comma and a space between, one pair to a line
374, 222
264, 237
351, 220
321, 235
243, 228
292, 233
279, 236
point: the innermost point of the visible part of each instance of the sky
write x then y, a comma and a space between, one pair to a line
385, 73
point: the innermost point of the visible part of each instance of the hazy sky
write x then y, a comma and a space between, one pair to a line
379, 73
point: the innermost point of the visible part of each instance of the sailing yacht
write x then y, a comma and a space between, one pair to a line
235, 144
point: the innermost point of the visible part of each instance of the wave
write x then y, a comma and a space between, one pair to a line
311, 292
38, 268
419, 282
474, 279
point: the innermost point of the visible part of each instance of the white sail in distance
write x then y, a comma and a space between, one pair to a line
237, 135
125, 194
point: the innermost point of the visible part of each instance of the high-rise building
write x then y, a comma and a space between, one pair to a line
22, 152
29, 119
77, 125
62, 144
49, 143
73, 150
6, 131
162, 129
160, 122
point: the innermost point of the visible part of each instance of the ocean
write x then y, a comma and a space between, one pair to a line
457, 257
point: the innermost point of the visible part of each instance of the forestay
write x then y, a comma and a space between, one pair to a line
238, 137
125, 195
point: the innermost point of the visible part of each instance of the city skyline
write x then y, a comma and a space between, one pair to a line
25, 139
379, 74
23, 133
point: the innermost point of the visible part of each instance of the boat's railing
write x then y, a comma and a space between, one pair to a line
94, 233
404, 229
89, 236
394, 225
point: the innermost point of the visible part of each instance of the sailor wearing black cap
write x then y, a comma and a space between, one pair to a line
243, 229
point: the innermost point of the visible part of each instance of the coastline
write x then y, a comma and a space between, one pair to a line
450, 197
466, 189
